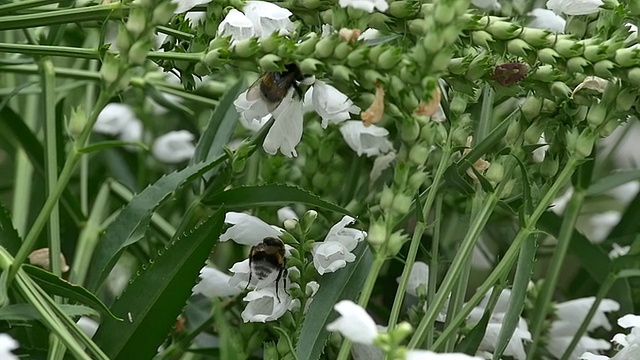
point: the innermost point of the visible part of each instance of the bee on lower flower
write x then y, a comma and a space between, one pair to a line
267, 259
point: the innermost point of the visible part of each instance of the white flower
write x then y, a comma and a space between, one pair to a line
630, 343
195, 17
286, 213
254, 125
539, 153
487, 4
7, 345
560, 203
286, 131
268, 18
242, 272
247, 229
570, 315
264, 305
618, 251
335, 251
369, 34
599, 225
237, 25
380, 164
332, 105
574, 7
354, 323
117, 120
429, 355
174, 147
547, 20
215, 283
366, 5
87, 325
185, 5
131, 132
419, 276
369, 140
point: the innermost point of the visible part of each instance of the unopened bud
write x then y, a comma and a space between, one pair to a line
533, 133
418, 27
270, 63
396, 241
596, 115
358, 57
163, 12
403, 9
246, 48
458, 66
627, 57
544, 73
389, 58
458, 103
549, 167
584, 145
576, 26
495, 173
416, 180
290, 225
137, 22
110, 69
401, 203
625, 99
213, 59
386, 198
531, 107
308, 45
594, 53
418, 154
634, 76
504, 30
519, 47
482, 38
377, 234
324, 47
536, 37
341, 72
433, 42
560, 89
603, 68
548, 56
307, 220
310, 66
568, 48
513, 133
577, 64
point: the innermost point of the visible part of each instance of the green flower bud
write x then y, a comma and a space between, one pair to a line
270, 351
137, 22
122, 41
110, 69
627, 57
404, 9
576, 26
270, 62
416, 180
377, 234
594, 53
531, 107
518, 47
386, 198
548, 106
311, 4
375, 52
325, 47
440, 136
372, 77
513, 133
504, 30
310, 66
549, 167
418, 27
533, 133
478, 67
163, 12
560, 90
568, 48
308, 45
320, 181
341, 51
214, 59
418, 154
408, 75
609, 127
603, 68
495, 173
584, 145
633, 7
626, 99
536, 37
597, 114
634, 76
450, 34
401, 174
544, 73
433, 42
577, 64
507, 189
410, 101
378, 20
389, 58
440, 61
271, 43
548, 56
396, 240
358, 57
77, 121
482, 38
443, 14
458, 103
138, 52
458, 66
341, 72
246, 48
401, 203
459, 136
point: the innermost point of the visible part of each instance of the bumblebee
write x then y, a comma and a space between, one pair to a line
273, 86
265, 259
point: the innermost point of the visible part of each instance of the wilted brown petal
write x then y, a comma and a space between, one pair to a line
592, 83
349, 35
374, 113
40, 257
429, 108
480, 165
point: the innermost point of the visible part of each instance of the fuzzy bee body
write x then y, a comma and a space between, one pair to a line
274, 86
267, 259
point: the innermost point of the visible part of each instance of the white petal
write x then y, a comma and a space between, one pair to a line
346, 236
286, 213
429, 355
559, 204
601, 224
571, 313
329, 256
369, 34
240, 277
7, 344
547, 20
247, 229
236, 25
354, 323
214, 283
574, 7
195, 18
132, 132
487, 4
590, 356
184, 5
419, 275
286, 132
559, 345
368, 140
268, 18
629, 321
251, 110
332, 105
114, 118
366, 5
86, 324
264, 306
539, 153
618, 251
174, 147
380, 164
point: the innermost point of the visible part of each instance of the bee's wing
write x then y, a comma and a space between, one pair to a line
254, 92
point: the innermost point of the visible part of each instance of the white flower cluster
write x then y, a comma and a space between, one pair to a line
628, 345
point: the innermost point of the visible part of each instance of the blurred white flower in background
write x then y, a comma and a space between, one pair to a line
237, 25
366, 140
215, 283
286, 213
598, 226
174, 147
547, 20
186, 5
629, 345
569, 316
618, 251
259, 19
7, 345
354, 323
120, 121
286, 131
380, 164
574, 7
335, 251
365, 5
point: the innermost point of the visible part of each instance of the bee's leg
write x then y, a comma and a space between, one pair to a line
278, 282
286, 274
250, 271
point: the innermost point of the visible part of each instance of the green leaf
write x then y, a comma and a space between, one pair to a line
612, 181
26, 312
152, 301
219, 128
343, 284
9, 238
134, 218
111, 144
246, 197
56, 286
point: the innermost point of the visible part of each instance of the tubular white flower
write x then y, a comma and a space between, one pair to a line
366, 5
547, 20
630, 343
174, 147
368, 140
87, 325
369, 34
618, 251
7, 345
114, 119
380, 164
354, 323
237, 25
419, 276
251, 110
599, 225
332, 105
286, 213
344, 235
574, 7
268, 18
263, 304
247, 229
335, 251
539, 153
286, 132
429, 355
186, 5
215, 283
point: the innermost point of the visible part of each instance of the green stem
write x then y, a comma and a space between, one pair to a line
456, 302
557, 262
63, 180
417, 236
602, 292
24, 174
433, 266
511, 255
376, 266
484, 125
51, 164
27, 4
457, 266
113, 11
